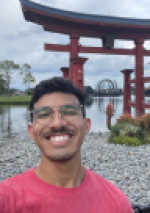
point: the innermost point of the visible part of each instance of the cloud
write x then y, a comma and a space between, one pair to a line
20, 33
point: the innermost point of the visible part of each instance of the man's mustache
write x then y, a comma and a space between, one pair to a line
56, 131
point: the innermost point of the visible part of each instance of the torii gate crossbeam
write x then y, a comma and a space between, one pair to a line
83, 49
98, 50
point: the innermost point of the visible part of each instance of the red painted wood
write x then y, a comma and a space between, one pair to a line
127, 91
83, 49
143, 80
65, 71
146, 105
96, 32
132, 81
57, 47
146, 52
131, 104
78, 75
67, 25
139, 72
101, 50
73, 54
146, 79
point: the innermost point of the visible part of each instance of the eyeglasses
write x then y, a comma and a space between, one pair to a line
44, 115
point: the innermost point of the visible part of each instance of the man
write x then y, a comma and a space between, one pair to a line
60, 184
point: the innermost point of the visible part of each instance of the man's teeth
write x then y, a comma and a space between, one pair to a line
59, 138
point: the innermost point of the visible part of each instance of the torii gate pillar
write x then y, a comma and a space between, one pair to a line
139, 72
65, 71
77, 72
126, 91
73, 52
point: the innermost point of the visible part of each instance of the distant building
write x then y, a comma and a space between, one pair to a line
18, 93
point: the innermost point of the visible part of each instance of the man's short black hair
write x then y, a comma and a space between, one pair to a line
56, 84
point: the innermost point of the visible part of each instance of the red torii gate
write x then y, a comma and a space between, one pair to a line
105, 27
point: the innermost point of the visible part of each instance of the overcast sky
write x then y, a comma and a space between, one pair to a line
23, 41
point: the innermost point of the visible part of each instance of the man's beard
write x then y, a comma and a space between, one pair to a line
61, 157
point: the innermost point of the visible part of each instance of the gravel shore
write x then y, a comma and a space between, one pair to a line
127, 167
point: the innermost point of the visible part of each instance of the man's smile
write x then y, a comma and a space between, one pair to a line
58, 137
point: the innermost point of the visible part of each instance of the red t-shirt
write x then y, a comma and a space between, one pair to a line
26, 193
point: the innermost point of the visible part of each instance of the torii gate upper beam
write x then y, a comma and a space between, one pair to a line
86, 25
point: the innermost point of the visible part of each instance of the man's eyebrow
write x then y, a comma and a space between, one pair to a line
45, 107
40, 108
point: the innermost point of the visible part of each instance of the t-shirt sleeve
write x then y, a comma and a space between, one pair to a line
4, 200
130, 210
126, 205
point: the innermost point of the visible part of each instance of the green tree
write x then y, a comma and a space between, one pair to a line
25, 69
2, 85
30, 79
28, 76
29, 91
8, 70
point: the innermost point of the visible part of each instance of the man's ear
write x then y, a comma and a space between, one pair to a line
87, 125
30, 130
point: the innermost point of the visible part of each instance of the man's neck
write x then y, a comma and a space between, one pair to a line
66, 174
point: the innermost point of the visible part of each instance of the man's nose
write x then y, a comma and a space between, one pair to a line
57, 120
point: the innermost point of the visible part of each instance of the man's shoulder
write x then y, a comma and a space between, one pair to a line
97, 177
102, 183
12, 191
109, 191
14, 181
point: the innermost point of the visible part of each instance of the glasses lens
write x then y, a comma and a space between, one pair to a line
43, 115
70, 112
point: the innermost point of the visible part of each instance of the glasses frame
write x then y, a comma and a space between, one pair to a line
56, 108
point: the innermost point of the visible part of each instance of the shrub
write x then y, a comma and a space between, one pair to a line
131, 131
128, 129
127, 118
115, 130
148, 139
126, 132
144, 122
127, 140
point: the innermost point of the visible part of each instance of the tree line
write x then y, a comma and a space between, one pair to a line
10, 71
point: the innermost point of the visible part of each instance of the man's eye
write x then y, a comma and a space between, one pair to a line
70, 112
43, 114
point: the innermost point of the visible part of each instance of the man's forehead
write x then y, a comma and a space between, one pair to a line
56, 99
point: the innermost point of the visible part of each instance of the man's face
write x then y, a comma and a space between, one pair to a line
59, 140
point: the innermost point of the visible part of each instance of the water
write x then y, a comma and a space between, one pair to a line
14, 119
13, 123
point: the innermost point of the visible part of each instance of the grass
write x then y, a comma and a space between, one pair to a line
18, 99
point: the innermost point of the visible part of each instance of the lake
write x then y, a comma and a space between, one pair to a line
14, 119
